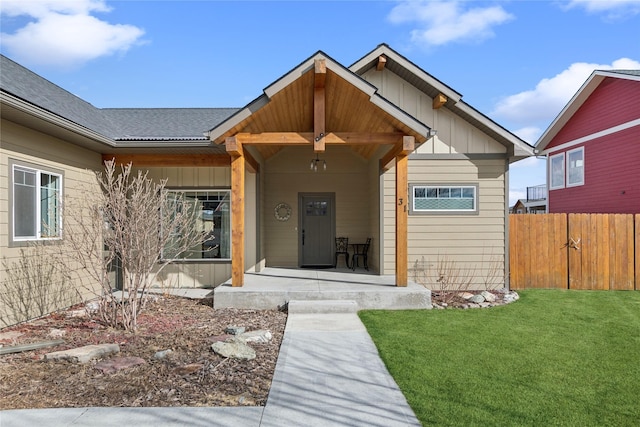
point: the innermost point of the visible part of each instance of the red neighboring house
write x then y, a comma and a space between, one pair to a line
593, 147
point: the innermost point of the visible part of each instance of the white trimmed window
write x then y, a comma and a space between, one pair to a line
444, 198
35, 203
575, 167
213, 218
556, 171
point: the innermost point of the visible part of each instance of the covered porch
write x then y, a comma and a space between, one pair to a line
273, 288
324, 111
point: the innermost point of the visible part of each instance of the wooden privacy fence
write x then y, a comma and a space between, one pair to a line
574, 251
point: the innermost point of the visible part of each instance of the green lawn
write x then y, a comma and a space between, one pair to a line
568, 358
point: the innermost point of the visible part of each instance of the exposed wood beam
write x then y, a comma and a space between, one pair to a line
439, 101
233, 145
319, 106
234, 148
320, 68
306, 138
382, 61
405, 148
402, 213
237, 220
169, 160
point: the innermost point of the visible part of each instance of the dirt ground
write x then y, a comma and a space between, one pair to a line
192, 375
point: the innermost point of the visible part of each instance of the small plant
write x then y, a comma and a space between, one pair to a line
134, 224
447, 277
33, 286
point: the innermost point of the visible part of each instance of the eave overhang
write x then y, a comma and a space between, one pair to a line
352, 105
396, 63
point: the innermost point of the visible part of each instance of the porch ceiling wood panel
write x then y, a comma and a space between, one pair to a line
348, 109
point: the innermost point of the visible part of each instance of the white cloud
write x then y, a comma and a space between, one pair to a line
442, 22
612, 8
541, 104
529, 133
64, 34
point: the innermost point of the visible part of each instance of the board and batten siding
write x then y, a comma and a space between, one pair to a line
287, 174
454, 134
22, 145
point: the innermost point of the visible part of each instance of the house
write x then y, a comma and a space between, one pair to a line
535, 203
380, 149
592, 147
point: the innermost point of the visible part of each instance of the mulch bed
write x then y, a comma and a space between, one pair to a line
191, 375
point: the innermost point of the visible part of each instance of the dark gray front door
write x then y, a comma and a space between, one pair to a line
317, 229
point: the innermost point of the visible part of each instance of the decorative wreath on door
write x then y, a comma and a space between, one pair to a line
282, 211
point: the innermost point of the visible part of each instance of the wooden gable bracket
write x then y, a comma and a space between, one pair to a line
382, 61
319, 108
439, 100
407, 146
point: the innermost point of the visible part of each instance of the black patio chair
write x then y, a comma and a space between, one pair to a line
361, 251
342, 248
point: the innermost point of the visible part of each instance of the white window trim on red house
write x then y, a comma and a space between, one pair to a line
578, 164
561, 161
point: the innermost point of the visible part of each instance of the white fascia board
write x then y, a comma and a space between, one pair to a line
232, 121
37, 112
412, 68
308, 65
519, 147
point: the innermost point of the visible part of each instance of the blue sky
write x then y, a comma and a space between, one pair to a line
518, 62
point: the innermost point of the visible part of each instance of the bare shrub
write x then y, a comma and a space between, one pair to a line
494, 274
445, 276
34, 285
132, 223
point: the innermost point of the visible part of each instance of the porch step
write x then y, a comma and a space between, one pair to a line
322, 306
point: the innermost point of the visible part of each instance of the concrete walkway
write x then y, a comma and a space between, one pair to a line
328, 374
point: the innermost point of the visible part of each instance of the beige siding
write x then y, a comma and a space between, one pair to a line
454, 135
20, 144
472, 241
287, 174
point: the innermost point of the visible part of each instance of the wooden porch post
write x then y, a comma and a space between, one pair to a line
401, 220
234, 148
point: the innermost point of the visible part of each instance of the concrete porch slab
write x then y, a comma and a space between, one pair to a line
275, 287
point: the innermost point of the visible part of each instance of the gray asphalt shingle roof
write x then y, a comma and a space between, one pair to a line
119, 124
142, 124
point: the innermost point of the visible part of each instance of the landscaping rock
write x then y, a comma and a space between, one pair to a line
488, 296
220, 338
234, 330
84, 354
57, 333
160, 355
466, 295
259, 336
236, 349
476, 299
119, 363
